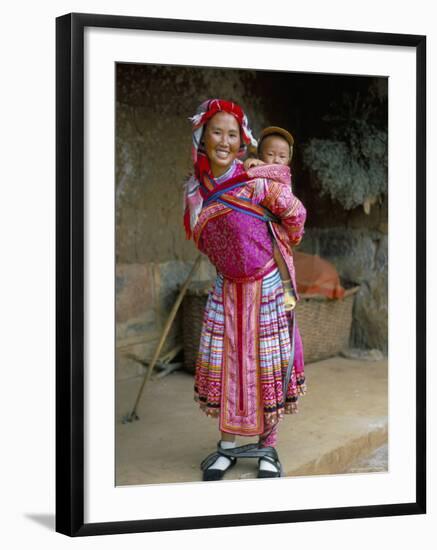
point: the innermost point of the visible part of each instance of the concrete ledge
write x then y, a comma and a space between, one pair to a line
339, 460
342, 419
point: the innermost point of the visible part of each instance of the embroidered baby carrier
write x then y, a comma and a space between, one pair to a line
220, 194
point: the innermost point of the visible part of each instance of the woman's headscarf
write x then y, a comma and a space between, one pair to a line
205, 111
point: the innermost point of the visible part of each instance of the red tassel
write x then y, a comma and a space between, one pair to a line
188, 232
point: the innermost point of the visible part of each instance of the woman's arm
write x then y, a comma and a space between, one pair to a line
280, 200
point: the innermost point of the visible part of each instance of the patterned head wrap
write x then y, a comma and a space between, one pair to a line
205, 112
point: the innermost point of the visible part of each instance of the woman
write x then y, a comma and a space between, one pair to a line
245, 372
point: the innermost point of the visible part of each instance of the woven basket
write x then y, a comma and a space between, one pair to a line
193, 306
324, 324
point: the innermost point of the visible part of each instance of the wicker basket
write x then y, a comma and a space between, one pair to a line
193, 306
324, 324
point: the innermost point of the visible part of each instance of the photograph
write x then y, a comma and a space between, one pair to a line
240, 248
251, 249
217, 253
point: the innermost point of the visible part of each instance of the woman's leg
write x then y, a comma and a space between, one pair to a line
217, 469
227, 442
268, 438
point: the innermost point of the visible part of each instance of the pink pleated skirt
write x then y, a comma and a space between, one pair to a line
244, 354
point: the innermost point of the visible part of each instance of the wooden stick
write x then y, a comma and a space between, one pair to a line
133, 415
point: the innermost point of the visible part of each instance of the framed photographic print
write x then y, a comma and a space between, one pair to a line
240, 219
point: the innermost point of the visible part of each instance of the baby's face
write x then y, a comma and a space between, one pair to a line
275, 150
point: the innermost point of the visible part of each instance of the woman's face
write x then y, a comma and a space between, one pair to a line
222, 142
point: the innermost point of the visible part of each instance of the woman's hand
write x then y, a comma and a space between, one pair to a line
252, 162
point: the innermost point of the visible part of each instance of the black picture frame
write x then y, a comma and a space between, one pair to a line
70, 273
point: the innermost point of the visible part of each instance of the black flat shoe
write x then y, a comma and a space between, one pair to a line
263, 474
216, 474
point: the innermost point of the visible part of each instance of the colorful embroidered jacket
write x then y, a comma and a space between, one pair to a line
236, 240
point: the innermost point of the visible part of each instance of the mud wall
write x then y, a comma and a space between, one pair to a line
153, 158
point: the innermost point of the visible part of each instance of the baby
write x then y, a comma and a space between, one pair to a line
275, 146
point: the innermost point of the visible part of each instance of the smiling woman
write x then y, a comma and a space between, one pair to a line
250, 348
222, 142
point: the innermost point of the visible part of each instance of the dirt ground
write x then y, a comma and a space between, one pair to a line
342, 421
